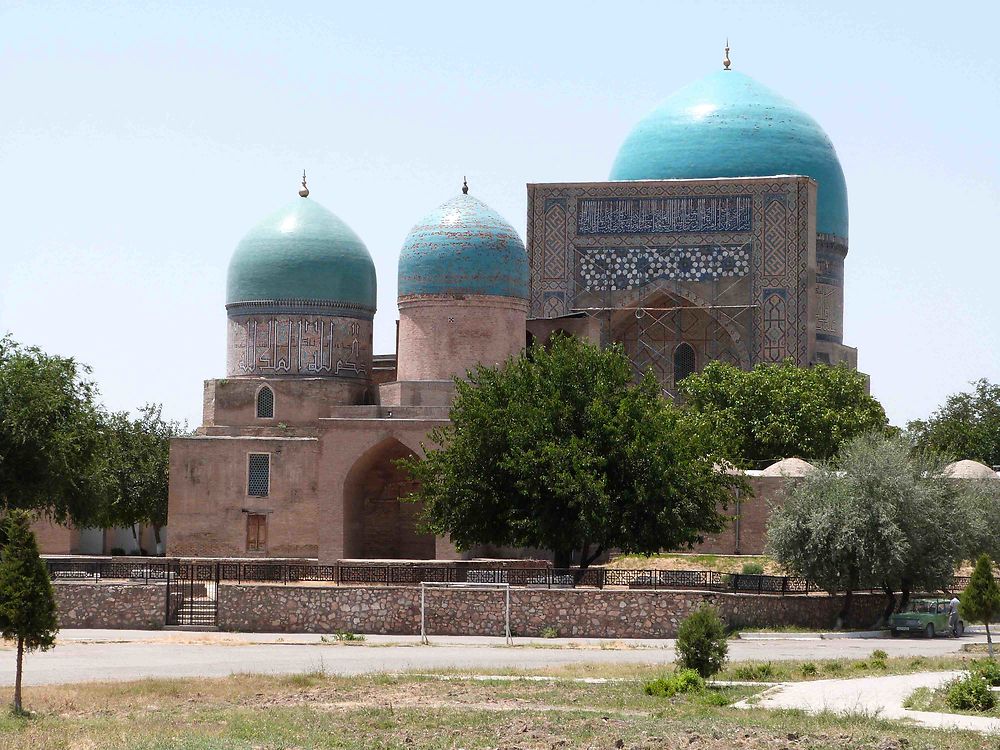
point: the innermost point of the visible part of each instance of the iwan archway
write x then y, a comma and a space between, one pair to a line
378, 523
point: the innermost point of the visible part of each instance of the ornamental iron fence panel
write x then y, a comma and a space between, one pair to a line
201, 577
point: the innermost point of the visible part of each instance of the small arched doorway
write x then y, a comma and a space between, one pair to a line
379, 524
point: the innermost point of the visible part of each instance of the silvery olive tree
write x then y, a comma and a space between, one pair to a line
882, 515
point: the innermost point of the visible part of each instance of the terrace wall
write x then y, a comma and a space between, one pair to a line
111, 605
572, 612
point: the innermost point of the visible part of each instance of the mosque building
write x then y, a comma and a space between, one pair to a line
720, 234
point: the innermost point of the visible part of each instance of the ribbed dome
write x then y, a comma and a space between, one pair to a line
728, 125
463, 247
302, 253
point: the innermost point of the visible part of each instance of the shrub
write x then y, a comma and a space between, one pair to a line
880, 654
754, 672
970, 693
685, 681
989, 670
549, 632
347, 635
701, 641
752, 569
833, 666
809, 668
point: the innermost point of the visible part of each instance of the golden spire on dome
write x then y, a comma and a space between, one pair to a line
465, 186
304, 192
726, 62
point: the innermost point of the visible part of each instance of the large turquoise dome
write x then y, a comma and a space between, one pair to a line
463, 247
302, 254
728, 125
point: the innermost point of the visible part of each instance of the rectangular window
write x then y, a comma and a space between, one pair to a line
259, 474
256, 532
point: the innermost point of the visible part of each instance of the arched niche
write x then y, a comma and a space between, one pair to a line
378, 524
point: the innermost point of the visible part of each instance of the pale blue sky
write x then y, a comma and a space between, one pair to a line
138, 142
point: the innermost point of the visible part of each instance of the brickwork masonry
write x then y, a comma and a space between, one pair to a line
571, 612
114, 606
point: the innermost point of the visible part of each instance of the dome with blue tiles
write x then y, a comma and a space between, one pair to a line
728, 125
300, 255
463, 247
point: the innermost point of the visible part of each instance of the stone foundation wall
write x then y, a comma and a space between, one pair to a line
107, 605
572, 612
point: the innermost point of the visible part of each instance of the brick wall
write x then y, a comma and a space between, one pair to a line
572, 612
115, 606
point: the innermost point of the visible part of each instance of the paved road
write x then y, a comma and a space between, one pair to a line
883, 696
84, 655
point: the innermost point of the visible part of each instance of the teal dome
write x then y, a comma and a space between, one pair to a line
463, 247
300, 255
728, 125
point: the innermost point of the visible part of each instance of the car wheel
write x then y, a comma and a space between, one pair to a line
960, 629
929, 632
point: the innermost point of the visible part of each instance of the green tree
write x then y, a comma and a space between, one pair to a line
779, 410
139, 468
560, 450
880, 516
966, 426
701, 641
980, 602
27, 603
52, 456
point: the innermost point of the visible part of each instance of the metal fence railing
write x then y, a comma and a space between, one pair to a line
258, 571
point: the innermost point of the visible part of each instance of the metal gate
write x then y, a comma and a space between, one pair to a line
193, 594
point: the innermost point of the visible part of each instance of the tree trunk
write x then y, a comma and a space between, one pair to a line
845, 611
904, 600
585, 558
890, 606
989, 641
17, 678
562, 559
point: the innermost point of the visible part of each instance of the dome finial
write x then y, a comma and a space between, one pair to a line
465, 186
304, 192
726, 62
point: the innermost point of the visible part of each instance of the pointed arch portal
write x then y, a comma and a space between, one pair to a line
378, 523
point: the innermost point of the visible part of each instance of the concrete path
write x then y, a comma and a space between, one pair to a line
85, 655
871, 696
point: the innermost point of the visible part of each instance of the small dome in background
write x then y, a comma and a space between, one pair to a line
728, 125
302, 253
788, 467
463, 247
969, 470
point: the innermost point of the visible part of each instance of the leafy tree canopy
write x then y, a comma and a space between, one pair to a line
560, 450
980, 602
52, 455
139, 467
779, 410
881, 516
966, 426
27, 603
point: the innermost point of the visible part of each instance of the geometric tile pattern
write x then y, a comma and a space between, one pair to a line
728, 213
751, 313
603, 269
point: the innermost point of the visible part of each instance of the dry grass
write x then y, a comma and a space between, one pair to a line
314, 710
681, 561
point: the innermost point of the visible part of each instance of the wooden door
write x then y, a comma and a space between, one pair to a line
256, 532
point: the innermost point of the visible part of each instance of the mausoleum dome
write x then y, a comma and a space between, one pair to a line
728, 125
302, 253
969, 470
463, 247
788, 467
